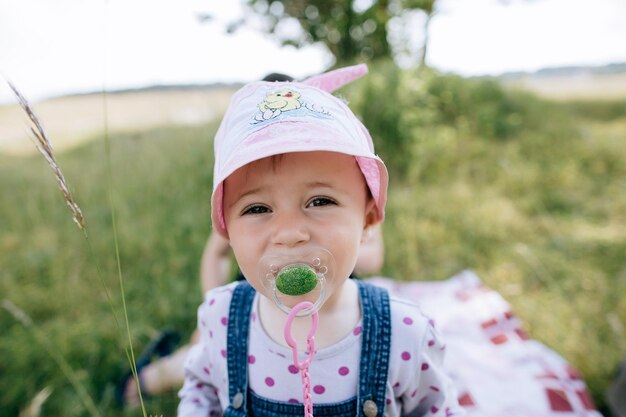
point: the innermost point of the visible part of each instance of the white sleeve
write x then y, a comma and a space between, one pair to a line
199, 395
425, 389
436, 394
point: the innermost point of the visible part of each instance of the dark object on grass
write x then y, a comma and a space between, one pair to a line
616, 396
160, 346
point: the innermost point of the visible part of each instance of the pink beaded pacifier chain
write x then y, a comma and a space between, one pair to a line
304, 365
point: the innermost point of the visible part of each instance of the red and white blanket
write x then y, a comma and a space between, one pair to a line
498, 370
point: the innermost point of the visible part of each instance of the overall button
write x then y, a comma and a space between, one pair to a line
238, 400
370, 409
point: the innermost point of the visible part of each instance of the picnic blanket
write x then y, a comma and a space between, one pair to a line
499, 371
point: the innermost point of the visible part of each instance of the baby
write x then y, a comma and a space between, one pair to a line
302, 186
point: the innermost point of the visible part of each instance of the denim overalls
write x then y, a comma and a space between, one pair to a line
376, 341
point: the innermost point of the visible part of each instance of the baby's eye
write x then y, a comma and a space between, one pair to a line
255, 210
321, 201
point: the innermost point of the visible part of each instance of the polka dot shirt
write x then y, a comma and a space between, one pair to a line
416, 383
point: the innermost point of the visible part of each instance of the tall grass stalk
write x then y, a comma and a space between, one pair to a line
130, 353
44, 146
23, 318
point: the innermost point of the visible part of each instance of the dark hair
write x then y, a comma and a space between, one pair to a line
277, 76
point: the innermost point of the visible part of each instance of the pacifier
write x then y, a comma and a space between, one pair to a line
297, 276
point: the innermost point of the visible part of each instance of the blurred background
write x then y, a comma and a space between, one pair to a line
502, 124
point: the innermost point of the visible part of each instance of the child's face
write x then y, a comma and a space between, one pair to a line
295, 201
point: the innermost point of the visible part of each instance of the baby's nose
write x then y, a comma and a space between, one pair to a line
290, 230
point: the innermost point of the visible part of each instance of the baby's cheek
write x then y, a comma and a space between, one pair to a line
251, 274
345, 264
249, 269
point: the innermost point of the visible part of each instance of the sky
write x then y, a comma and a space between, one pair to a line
50, 48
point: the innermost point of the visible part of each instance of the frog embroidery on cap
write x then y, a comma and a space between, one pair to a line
286, 101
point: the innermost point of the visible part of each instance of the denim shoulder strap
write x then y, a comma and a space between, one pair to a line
375, 346
237, 349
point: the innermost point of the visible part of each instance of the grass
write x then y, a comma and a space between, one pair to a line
46, 269
534, 202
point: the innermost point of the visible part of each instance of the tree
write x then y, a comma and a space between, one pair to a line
352, 30
428, 6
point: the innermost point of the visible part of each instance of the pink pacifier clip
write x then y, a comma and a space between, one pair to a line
304, 365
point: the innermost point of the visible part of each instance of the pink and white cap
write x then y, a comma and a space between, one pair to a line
272, 118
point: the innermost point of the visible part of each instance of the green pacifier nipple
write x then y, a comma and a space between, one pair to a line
296, 280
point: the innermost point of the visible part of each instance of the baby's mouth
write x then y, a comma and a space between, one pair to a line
296, 277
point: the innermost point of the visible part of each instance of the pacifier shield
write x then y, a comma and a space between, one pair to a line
297, 275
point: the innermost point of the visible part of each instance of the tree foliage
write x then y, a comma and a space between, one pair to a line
351, 30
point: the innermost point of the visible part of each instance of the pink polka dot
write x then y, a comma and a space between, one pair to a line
396, 385
319, 389
251, 359
211, 334
406, 356
293, 400
212, 301
343, 371
269, 381
196, 401
357, 330
206, 370
223, 352
434, 409
407, 320
388, 401
224, 321
433, 388
431, 343
293, 369
414, 393
425, 366
202, 323
431, 322
253, 316
199, 385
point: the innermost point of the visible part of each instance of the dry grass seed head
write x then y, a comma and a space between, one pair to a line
44, 146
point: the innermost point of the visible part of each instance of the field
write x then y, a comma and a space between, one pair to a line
529, 193
72, 120
579, 86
